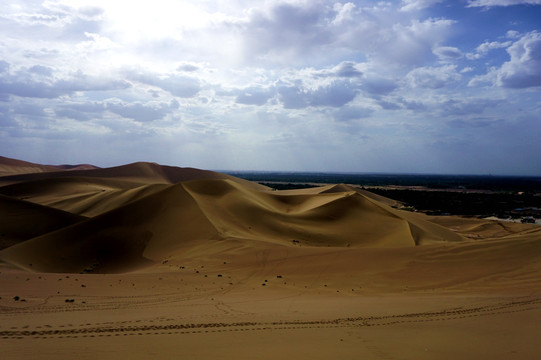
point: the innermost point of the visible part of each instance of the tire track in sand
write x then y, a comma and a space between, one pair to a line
134, 328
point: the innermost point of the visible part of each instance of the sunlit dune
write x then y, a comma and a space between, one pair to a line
175, 258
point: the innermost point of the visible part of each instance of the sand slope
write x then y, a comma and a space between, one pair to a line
13, 166
157, 223
139, 173
21, 220
168, 260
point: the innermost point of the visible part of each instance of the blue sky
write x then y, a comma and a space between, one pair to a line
415, 86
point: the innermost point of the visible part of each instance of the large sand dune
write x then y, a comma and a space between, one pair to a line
147, 261
13, 166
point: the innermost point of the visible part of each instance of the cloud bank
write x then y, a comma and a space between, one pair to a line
275, 85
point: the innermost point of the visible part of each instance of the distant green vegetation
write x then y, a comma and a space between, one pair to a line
493, 183
287, 186
502, 205
503, 196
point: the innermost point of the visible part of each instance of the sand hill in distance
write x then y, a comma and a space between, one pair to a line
151, 261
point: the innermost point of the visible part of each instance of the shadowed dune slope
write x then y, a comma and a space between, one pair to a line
126, 238
199, 213
85, 196
21, 220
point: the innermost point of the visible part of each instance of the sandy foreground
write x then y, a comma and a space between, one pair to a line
132, 263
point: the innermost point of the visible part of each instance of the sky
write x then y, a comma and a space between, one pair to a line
403, 86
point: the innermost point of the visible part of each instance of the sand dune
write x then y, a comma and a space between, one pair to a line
21, 220
146, 261
13, 166
152, 227
87, 196
139, 173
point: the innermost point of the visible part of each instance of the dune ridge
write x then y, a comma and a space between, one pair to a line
144, 225
10, 166
136, 216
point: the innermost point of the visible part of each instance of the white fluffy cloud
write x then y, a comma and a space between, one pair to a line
523, 70
447, 53
433, 77
483, 49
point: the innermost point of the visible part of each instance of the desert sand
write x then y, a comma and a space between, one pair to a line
145, 261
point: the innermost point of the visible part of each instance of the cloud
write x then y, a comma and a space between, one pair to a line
4, 66
91, 12
433, 77
411, 44
473, 123
387, 105
178, 85
81, 111
413, 104
293, 96
346, 69
447, 53
523, 70
344, 12
187, 67
491, 3
335, 94
142, 112
376, 85
412, 5
286, 31
483, 49
52, 20
348, 113
467, 107
254, 96
40, 82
